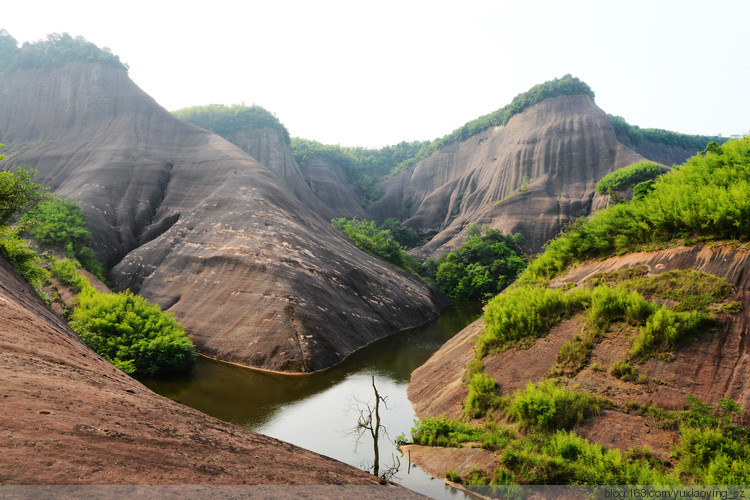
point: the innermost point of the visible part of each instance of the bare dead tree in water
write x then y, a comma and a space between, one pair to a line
369, 421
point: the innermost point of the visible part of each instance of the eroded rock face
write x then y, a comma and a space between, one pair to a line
333, 187
710, 367
194, 223
531, 176
70, 417
265, 146
660, 153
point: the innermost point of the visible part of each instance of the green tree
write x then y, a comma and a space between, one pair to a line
135, 335
61, 224
487, 262
19, 192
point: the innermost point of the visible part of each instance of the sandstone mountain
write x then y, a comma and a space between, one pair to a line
70, 417
530, 176
195, 224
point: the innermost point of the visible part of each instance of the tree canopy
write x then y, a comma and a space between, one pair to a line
18, 192
226, 120
482, 267
638, 135
56, 50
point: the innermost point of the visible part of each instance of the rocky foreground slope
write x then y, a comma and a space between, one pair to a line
70, 417
712, 366
192, 222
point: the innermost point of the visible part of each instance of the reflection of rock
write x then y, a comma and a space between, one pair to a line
70, 417
530, 176
192, 222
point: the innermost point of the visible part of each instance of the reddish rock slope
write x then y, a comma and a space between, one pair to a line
713, 366
70, 417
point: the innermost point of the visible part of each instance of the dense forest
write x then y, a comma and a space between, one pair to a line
226, 120
638, 135
56, 50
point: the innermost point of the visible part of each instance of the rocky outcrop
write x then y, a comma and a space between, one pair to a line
333, 187
70, 417
194, 223
710, 367
530, 176
265, 146
659, 152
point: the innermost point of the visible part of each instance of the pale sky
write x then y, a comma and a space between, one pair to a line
373, 73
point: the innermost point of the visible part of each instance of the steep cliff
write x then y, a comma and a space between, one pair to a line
530, 176
264, 145
192, 222
70, 417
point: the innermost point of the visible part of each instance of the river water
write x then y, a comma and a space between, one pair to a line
320, 411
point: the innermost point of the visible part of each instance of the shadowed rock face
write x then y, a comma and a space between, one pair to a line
530, 176
192, 222
334, 189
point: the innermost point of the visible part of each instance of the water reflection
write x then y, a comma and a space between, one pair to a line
318, 411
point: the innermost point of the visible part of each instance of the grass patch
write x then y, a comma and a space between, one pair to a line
482, 397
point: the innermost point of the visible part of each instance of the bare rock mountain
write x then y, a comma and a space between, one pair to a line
530, 176
194, 223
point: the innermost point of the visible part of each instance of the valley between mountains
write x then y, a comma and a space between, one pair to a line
229, 230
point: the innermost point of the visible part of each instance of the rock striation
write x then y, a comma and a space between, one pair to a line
194, 223
531, 176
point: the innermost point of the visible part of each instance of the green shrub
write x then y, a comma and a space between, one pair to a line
526, 312
135, 335
659, 136
227, 120
627, 372
706, 196
710, 456
692, 290
366, 235
483, 266
665, 330
23, 259
56, 50
627, 177
65, 271
483, 396
548, 406
61, 224
18, 192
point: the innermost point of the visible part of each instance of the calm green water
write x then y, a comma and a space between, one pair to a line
319, 411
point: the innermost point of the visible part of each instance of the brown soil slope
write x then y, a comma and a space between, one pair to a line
70, 417
713, 366
192, 222
530, 176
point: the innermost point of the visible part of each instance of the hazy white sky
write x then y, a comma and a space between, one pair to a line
373, 73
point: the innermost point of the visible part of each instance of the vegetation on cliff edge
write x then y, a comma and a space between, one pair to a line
227, 120
56, 50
